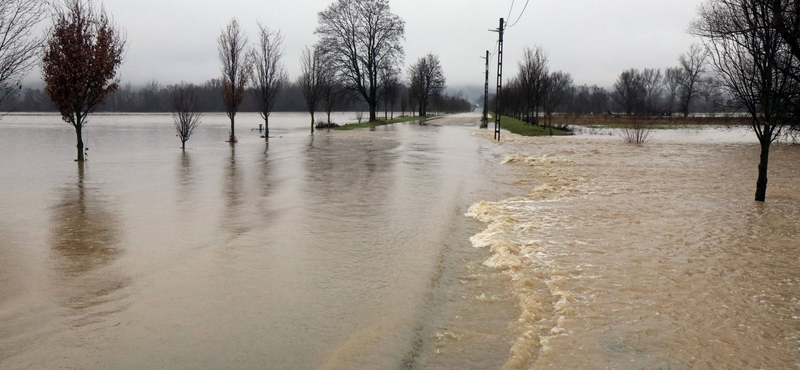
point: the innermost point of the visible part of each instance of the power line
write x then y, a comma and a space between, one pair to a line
509, 10
520, 14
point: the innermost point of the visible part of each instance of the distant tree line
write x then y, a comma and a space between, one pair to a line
155, 97
535, 93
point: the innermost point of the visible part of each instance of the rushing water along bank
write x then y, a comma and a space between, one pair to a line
654, 257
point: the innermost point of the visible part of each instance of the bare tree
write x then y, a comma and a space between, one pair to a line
332, 91
750, 57
363, 37
403, 104
235, 69
693, 64
83, 52
629, 91
532, 83
672, 84
268, 74
652, 87
185, 110
557, 89
389, 90
708, 92
19, 47
412, 101
310, 79
426, 81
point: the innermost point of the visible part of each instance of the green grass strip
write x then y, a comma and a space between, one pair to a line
353, 126
521, 128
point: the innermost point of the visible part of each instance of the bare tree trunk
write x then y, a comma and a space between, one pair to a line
761, 185
312, 124
233, 137
266, 128
80, 143
373, 107
183, 144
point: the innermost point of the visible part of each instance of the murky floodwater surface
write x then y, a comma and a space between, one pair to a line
351, 250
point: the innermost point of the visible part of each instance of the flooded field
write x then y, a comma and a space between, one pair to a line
355, 250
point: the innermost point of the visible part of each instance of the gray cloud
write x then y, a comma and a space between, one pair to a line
173, 41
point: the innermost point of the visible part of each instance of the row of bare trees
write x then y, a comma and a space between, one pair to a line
259, 66
536, 93
649, 91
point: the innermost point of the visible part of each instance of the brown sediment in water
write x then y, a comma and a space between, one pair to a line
648, 257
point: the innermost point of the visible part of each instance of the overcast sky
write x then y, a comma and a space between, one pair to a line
594, 40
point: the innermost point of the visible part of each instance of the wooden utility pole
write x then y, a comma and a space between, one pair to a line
485, 121
497, 108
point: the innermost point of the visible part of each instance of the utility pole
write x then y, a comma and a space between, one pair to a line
497, 108
485, 121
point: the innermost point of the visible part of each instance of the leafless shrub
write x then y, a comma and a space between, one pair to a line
638, 131
185, 111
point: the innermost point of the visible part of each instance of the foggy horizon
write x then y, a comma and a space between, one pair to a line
593, 42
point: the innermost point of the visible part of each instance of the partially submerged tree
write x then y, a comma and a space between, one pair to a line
268, 73
19, 47
185, 110
310, 79
235, 69
79, 67
751, 59
426, 81
362, 37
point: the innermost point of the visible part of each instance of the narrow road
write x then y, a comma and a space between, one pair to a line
461, 119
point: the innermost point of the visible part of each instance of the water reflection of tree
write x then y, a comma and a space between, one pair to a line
354, 173
185, 178
266, 185
233, 188
84, 239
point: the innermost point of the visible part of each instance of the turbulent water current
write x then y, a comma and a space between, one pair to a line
409, 246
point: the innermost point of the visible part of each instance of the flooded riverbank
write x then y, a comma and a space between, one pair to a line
652, 257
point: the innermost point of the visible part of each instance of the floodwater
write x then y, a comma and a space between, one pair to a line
343, 250
405, 247
654, 257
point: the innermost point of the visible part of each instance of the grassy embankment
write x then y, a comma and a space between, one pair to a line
353, 126
521, 128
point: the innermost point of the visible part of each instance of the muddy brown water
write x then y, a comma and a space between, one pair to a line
651, 257
357, 250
